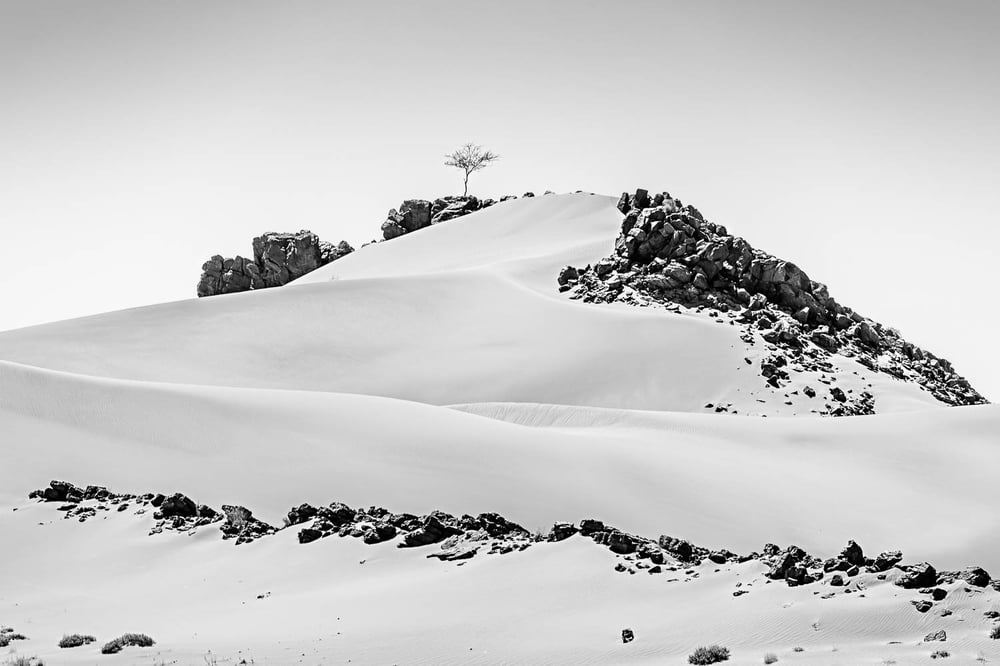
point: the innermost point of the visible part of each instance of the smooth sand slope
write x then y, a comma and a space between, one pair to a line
465, 311
921, 482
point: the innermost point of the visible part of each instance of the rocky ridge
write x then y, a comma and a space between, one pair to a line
669, 255
461, 538
278, 258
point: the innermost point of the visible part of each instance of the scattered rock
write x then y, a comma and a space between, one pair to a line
936, 593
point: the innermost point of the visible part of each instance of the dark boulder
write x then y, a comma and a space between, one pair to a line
433, 529
497, 526
337, 514
62, 491
378, 532
785, 562
679, 548
624, 205
917, 576
975, 576
178, 505
887, 560
241, 525
620, 543
308, 535
853, 554
301, 514
561, 531
650, 551
567, 275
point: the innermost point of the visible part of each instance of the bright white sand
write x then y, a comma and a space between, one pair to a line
443, 371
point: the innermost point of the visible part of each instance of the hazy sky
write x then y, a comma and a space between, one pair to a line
859, 139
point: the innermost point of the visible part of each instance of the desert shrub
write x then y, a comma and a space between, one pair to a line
23, 661
995, 632
712, 654
8, 635
770, 658
75, 640
125, 640
940, 654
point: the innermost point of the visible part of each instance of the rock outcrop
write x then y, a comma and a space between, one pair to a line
667, 253
416, 214
457, 539
278, 258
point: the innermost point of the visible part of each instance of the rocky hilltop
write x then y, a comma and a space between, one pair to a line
668, 254
416, 214
278, 258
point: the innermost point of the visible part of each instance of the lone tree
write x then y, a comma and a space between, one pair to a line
469, 158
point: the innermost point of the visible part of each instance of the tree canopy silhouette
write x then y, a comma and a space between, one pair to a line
470, 158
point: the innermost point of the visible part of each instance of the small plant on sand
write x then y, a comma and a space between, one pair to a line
995, 632
24, 661
712, 654
125, 640
798, 649
75, 640
940, 654
770, 658
8, 635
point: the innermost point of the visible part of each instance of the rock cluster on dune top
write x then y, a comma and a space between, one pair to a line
278, 258
416, 214
668, 253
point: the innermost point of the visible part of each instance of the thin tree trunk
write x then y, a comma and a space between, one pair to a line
465, 190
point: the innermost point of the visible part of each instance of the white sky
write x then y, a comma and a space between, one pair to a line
858, 139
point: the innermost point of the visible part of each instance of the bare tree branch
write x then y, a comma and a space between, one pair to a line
470, 158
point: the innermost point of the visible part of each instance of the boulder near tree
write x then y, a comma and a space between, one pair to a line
470, 158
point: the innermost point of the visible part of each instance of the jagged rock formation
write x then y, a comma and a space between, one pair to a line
667, 253
278, 258
416, 214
